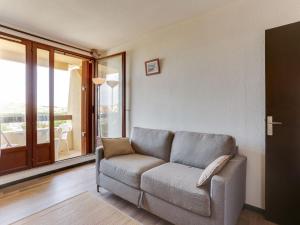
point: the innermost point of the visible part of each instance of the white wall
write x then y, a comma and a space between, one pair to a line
212, 77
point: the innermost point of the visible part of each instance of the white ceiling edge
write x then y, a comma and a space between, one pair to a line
100, 24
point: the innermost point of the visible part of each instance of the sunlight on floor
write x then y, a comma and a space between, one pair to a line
67, 155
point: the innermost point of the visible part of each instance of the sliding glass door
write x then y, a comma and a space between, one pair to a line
111, 116
15, 115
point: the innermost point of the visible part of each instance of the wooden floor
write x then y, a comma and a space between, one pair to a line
24, 199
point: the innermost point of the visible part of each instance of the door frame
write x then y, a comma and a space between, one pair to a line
87, 106
86, 100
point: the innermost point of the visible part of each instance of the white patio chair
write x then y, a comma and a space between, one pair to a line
8, 144
62, 138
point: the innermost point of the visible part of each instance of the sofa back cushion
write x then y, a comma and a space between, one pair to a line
199, 150
152, 142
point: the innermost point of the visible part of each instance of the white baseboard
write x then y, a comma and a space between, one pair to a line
9, 178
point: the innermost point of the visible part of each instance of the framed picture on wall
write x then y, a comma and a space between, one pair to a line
152, 67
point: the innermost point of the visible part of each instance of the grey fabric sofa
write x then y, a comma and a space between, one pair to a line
161, 176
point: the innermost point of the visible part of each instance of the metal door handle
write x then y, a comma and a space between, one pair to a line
276, 123
270, 124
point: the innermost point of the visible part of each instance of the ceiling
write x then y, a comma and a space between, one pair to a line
100, 24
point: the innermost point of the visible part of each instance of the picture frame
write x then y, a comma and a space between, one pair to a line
152, 67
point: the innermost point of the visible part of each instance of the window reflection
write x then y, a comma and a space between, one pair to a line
110, 110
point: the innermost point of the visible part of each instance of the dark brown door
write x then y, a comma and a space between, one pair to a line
283, 124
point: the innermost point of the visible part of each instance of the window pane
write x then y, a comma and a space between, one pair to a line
67, 106
12, 94
43, 110
110, 110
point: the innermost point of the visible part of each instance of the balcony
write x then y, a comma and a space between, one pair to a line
13, 133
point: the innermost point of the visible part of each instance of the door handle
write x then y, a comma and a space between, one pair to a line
276, 123
270, 124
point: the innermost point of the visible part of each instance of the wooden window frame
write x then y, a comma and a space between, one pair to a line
10, 154
31, 158
39, 150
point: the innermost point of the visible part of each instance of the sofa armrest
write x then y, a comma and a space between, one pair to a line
228, 191
99, 157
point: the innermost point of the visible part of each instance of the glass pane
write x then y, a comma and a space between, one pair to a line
12, 94
43, 110
67, 106
110, 110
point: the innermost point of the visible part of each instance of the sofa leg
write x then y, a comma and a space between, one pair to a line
140, 200
98, 188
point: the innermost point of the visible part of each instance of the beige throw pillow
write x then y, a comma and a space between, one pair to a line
116, 146
212, 169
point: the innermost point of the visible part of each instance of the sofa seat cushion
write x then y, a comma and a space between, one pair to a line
128, 168
176, 184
